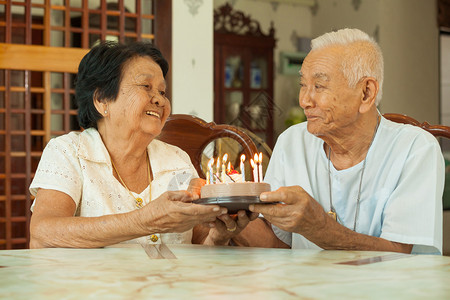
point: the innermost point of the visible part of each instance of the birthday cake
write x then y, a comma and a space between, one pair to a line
228, 188
234, 189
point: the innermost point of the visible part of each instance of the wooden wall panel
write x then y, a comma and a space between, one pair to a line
41, 45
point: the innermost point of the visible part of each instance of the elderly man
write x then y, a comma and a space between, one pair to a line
349, 178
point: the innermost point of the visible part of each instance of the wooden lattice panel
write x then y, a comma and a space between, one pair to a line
30, 115
41, 44
75, 23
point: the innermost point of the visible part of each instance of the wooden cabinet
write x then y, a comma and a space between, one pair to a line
243, 73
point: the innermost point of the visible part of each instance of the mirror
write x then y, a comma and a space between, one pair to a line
220, 146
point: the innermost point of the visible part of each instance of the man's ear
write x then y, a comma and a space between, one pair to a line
100, 105
370, 88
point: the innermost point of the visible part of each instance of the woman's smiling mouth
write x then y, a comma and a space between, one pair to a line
153, 113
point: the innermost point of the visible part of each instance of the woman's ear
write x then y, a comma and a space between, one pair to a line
100, 105
370, 88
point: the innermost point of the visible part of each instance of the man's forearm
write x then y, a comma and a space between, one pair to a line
334, 236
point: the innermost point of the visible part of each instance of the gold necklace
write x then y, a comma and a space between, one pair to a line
138, 200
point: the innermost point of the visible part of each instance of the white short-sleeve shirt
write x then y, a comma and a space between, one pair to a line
79, 165
402, 187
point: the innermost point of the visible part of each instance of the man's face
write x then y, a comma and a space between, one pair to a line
330, 105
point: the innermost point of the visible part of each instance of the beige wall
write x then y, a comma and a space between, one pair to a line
408, 35
192, 59
333, 15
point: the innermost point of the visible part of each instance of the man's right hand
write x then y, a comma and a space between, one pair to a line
298, 212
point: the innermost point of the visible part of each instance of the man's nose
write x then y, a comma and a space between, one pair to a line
304, 98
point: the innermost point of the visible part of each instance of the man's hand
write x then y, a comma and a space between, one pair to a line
298, 213
228, 226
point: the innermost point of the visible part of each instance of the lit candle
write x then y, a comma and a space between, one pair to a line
260, 167
255, 171
210, 174
224, 160
217, 178
256, 160
229, 167
218, 169
242, 167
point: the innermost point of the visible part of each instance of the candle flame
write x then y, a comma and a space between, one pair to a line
229, 167
260, 157
225, 157
252, 163
210, 163
242, 157
256, 159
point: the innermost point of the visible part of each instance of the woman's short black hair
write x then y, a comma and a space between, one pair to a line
100, 74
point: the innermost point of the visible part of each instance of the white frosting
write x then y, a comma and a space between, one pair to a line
234, 189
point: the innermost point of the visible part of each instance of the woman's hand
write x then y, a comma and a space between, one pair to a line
195, 186
228, 226
174, 212
53, 223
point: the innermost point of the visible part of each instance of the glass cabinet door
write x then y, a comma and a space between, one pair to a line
244, 89
234, 101
258, 73
234, 84
234, 72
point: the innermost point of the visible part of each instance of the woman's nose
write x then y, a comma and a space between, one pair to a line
157, 99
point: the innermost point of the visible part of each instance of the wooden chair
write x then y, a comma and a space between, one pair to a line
436, 130
193, 135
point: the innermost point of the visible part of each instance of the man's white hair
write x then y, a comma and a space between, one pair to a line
363, 59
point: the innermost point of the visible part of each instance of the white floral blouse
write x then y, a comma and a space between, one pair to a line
79, 165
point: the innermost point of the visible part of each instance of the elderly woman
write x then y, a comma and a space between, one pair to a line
110, 183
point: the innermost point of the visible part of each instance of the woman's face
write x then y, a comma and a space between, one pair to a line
141, 104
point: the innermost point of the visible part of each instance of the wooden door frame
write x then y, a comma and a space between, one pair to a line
163, 36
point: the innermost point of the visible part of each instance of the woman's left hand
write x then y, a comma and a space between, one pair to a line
195, 186
225, 227
228, 226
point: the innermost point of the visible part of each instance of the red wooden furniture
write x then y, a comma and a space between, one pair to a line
436, 130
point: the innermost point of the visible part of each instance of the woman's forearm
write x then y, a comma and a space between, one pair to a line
85, 232
53, 223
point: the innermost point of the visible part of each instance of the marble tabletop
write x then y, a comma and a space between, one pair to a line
202, 272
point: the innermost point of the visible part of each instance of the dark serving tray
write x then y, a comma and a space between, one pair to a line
232, 203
